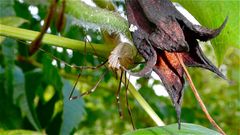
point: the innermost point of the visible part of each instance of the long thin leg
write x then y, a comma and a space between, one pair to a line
95, 52
74, 66
118, 96
75, 84
89, 91
114, 73
95, 86
126, 98
71, 97
195, 92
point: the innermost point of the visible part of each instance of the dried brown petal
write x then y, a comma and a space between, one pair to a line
170, 71
169, 36
162, 31
140, 36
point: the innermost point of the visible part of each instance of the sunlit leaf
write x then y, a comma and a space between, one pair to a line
12, 21
37, 2
20, 132
51, 75
186, 129
211, 13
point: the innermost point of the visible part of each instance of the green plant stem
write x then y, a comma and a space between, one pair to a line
28, 35
144, 104
94, 17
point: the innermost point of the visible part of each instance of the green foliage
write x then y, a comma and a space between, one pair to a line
6, 85
7, 6
186, 129
12, 21
22, 99
211, 13
20, 132
50, 74
34, 90
72, 111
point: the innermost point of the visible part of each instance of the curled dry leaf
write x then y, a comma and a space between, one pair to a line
159, 32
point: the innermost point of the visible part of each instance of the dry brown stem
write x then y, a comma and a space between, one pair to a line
195, 92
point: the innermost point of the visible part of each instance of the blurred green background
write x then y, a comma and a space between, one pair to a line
34, 91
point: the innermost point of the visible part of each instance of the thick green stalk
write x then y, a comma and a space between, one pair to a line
28, 35
144, 104
95, 17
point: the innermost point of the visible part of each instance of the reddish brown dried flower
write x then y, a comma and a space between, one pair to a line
160, 32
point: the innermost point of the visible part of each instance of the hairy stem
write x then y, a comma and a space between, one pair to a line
195, 92
94, 17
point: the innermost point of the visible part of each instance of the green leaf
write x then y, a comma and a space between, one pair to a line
211, 13
73, 111
37, 2
20, 97
8, 49
6, 7
186, 129
20, 132
8, 109
12, 21
51, 75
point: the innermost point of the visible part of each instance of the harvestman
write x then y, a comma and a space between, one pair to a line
123, 76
